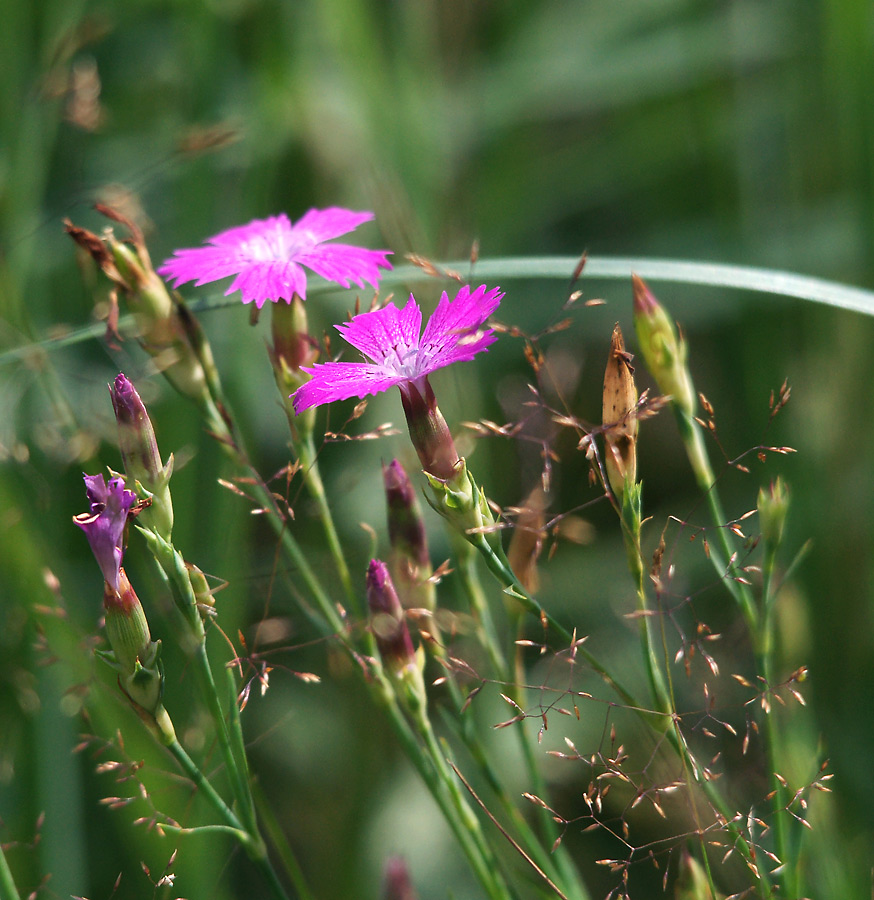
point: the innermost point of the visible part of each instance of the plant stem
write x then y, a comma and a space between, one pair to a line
465, 555
8, 890
481, 856
765, 653
306, 453
239, 782
252, 843
204, 785
466, 558
280, 843
441, 783
690, 434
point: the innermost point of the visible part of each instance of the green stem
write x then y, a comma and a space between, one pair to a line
252, 842
8, 890
306, 453
631, 518
465, 555
765, 653
440, 780
204, 785
662, 691
460, 814
239, 782
500, 568
723, 556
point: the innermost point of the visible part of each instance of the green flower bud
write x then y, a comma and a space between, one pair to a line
663, 350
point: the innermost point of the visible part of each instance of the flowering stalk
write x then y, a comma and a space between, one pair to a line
403, 666
267, 259
136, 658
665, 354
620, 427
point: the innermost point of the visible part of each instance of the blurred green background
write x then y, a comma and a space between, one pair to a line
739, 132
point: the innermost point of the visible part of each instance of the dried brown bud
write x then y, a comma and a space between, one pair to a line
619, 417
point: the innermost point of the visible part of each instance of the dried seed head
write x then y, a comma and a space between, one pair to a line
619, 416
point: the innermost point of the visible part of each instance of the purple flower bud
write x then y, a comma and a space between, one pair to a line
136, 437
410, 561
104, 523
139, 450
387, 619
398, 885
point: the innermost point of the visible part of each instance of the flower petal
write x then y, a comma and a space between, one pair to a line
260, 282
339, 381
455, 333
325, 224
345, 264
104, 523
389, 336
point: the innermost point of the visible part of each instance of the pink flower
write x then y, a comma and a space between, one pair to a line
267, 256
391, 338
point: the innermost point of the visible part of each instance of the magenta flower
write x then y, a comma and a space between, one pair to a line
391, 338
104, 523
267, 256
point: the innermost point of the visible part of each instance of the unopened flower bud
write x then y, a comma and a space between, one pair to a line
398, 885
139, 450
292, 343
428, 429
135, 656
663, 350
126, 627
773, 506
410, 561
619, 417
387, 620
